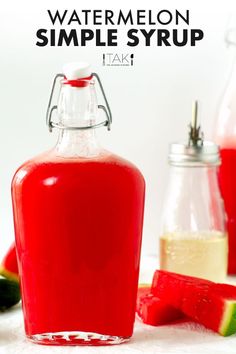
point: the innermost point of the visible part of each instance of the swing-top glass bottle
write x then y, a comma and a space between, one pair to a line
78, 214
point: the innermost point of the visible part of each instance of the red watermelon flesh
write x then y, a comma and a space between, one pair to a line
9, 267
211, 304
176, 284
154, 311
143, 291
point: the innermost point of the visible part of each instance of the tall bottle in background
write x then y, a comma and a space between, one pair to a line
225, 137
78, 214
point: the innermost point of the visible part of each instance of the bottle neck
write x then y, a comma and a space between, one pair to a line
193, 201
197, 184
195, 174
77, 107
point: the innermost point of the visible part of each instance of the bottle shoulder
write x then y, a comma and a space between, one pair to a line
49, 163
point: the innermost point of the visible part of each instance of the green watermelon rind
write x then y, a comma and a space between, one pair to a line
8, 274
228, 323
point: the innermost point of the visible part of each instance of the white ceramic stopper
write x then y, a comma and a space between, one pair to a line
76, 70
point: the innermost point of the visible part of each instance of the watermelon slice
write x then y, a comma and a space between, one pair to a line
154, 311
9, 267
211, 304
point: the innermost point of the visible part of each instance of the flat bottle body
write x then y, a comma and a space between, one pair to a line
78, 225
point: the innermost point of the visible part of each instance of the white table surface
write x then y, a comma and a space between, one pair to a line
178, 338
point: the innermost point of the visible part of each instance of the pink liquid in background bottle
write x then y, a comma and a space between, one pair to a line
78, 214
227, 181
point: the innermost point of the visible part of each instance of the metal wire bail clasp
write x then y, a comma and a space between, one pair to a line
51, 108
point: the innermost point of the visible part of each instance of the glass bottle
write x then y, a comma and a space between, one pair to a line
78, 215
193, 239
225, 136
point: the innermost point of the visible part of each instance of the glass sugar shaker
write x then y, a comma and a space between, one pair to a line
193, 238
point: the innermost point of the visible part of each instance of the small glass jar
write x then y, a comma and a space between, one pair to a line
193, 239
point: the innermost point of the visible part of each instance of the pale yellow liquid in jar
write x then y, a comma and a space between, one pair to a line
201, 255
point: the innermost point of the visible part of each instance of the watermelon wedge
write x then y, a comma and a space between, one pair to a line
9, 267
211, 304
154, 311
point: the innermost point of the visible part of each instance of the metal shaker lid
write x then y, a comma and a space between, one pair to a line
196, 152
183, 154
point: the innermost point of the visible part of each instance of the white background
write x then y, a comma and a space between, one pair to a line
151, 101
